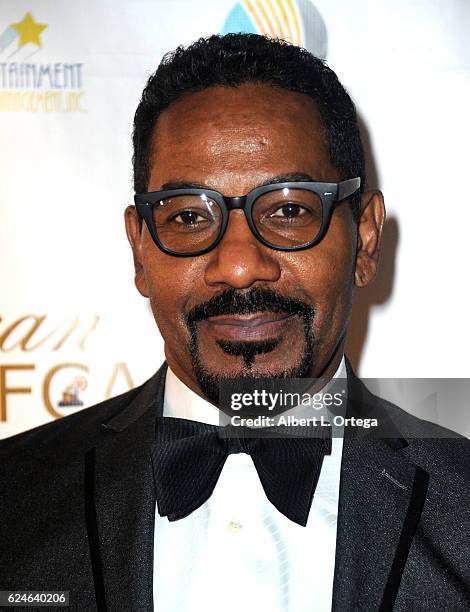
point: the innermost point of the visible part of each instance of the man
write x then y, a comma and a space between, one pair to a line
251, 229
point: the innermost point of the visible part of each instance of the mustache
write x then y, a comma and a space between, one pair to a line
258, 299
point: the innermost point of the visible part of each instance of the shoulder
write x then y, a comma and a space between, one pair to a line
412, 426
433, 447
440, 451
82, 429
76, 429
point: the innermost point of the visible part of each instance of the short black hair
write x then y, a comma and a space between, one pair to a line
234, 59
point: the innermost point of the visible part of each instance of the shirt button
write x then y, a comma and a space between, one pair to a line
234, 526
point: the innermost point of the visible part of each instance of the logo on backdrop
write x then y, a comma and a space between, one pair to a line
298, 21
30, 86
36, 366
71, 393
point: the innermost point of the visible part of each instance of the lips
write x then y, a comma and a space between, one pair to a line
259, 326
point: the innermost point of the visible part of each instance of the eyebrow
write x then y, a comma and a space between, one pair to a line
291, 177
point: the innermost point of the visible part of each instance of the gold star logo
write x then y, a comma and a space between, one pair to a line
29, 30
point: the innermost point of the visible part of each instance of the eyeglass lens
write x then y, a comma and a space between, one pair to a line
284, 218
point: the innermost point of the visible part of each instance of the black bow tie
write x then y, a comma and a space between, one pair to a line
188, 458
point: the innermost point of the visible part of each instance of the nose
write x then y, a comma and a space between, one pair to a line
239, 260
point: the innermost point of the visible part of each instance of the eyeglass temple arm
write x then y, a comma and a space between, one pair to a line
347, 188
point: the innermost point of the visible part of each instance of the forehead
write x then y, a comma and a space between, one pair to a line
243, 134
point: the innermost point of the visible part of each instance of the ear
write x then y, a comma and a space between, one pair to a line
369, 235
134, 235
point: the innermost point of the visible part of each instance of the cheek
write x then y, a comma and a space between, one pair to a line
171, 281
328, 275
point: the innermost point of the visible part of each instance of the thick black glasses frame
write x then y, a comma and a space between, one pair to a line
331, 194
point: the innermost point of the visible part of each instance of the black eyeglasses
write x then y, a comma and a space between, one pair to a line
283, 216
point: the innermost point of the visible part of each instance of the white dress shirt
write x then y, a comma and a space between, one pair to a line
237, 552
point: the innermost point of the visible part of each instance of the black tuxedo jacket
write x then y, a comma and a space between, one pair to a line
77, 507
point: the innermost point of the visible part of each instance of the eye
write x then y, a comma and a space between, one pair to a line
188, 217
289, 211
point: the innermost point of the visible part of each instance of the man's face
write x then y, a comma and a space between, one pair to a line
244, 309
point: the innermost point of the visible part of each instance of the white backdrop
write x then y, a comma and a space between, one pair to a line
70, 78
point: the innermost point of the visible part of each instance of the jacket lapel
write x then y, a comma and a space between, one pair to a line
120, 503
381, 497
